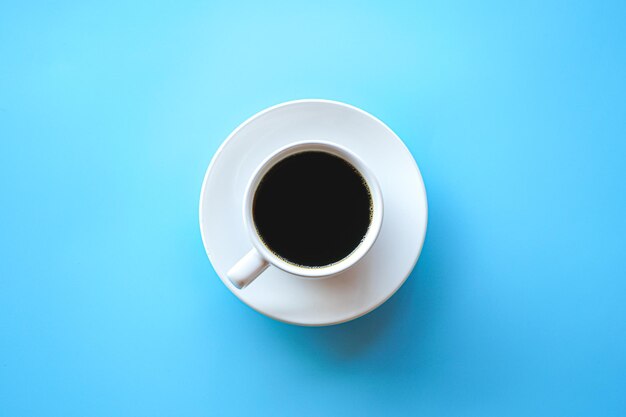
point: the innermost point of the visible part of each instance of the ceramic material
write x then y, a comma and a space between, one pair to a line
351, 293
260, 257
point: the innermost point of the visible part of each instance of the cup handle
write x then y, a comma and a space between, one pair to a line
247, 269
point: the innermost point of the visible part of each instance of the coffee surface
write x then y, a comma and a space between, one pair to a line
312, 209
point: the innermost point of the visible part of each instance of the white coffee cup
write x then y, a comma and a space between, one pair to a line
248, 268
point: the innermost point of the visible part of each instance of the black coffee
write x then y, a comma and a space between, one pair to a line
312, 209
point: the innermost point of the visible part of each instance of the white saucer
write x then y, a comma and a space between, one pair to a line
378, 275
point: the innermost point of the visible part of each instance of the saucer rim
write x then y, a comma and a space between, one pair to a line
260, 114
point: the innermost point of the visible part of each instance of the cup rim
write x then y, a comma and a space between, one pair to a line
366, 243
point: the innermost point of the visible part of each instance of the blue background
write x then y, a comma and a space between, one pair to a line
110, 114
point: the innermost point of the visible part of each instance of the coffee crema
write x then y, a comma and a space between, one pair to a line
312, 209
